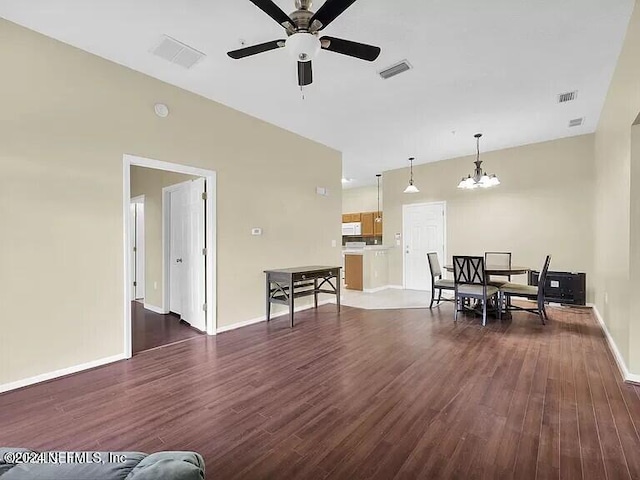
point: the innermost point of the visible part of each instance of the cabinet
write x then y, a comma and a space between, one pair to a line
370, 228
367, 224
353, 272
351, 217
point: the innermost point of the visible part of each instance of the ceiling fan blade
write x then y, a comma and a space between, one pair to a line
254, 49
271, 9
329, 11
352, 49
305, 73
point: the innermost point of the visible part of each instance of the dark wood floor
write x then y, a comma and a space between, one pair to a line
371, 394
152, 329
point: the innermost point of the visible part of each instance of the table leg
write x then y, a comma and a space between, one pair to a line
315, 292
291, 290
338, 291
268, 298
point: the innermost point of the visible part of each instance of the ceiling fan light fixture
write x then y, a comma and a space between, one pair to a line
303, 46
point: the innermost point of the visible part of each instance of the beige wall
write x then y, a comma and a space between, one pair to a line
543, 206
363, 199
66, 120
150, 182
615, 192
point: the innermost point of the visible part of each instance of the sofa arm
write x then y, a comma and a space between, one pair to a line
169, 466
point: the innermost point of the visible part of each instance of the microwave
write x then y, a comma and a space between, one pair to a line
352, 229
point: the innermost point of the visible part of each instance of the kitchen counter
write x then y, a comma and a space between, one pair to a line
372, 269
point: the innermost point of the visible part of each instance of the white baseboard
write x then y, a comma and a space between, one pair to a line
377, 289
155, 309
624, 371
397, 287
263, 318
60, 373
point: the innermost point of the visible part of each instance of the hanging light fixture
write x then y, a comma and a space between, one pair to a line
479, 178
411, 188
378, 217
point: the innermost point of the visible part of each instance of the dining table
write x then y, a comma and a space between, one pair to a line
498, 270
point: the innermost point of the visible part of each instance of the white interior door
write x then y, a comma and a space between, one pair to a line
193, 296
132, 249
177, 201
137, 249
423, 226
187, 243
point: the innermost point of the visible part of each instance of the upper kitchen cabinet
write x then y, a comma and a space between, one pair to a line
367, 224
351, 217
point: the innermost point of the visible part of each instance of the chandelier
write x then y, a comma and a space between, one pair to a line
479, 178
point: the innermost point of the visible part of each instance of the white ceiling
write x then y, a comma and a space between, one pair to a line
492, 66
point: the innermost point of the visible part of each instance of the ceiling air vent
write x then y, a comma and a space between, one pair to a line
177, 52
396, 69
567, 96
576, 122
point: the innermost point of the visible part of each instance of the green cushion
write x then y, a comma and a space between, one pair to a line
444, 283
476, 290
518, 289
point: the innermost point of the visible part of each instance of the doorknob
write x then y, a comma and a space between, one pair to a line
178, 260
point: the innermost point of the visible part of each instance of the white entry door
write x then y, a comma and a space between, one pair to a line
137, 248
187, 253
423, 226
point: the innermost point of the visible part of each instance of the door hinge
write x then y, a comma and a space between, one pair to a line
204, 195
204, 251
204, 307
135, 249
135, 284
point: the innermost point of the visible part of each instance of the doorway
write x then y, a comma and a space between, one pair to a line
198, 304
424, 227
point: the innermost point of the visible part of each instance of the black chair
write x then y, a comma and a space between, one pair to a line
470, 281
437, 282
529, 292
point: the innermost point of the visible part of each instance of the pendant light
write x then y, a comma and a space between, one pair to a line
378, 217
479, 178
411, 188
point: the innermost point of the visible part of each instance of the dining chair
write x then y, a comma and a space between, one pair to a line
530, 292
470, 281
437, 282
498, 259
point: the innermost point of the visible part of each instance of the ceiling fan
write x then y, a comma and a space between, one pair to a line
302, 28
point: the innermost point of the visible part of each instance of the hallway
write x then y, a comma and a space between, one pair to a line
151, 330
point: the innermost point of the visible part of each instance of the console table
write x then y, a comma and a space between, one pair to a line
286, 284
